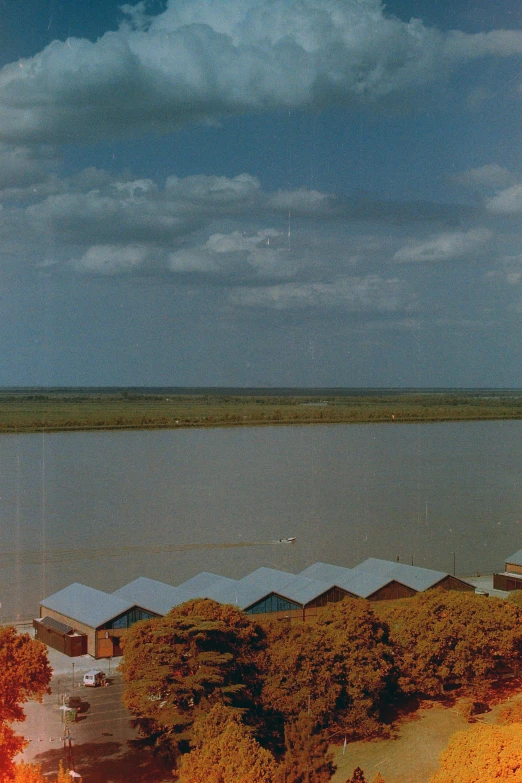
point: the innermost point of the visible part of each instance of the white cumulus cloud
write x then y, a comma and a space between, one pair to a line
119, 212
199, 60
236, 254
490, 176
112, 259
204, 192
301, 200
444, 247
508, 201
22, 166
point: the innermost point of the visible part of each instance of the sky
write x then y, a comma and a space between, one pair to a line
261, 193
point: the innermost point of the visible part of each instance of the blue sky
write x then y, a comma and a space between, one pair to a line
261, 193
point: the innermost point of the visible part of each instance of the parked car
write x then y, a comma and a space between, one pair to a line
74, 702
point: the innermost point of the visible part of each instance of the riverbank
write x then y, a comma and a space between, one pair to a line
78, 410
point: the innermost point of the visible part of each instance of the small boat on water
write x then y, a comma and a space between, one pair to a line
289, 540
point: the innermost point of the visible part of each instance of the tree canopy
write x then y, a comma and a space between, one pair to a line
176, 667
32, 773
307, 759
449, 636
482, 754
225, 752
25, 674
335, 669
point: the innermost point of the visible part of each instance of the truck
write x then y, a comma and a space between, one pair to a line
94, 678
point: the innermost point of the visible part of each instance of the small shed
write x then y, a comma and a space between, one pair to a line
511, 578
514, 563
60, 636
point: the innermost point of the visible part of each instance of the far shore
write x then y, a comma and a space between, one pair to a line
77, 410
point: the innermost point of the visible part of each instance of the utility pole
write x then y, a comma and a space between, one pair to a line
67, 749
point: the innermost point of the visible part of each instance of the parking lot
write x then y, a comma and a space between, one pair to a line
98, 745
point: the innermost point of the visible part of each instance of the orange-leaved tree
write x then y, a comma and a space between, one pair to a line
24, 674
307, 757
482, 754
226, 752
337, 669
448, 636
32, 773
176, 667
358, 777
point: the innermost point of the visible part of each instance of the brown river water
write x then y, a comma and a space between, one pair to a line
105, 507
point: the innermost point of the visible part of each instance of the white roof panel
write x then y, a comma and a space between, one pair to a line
87, 605
153, 596
199, 586
515, 559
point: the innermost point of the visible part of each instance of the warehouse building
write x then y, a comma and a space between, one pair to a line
417, 579
151, 596
511, 578
98, 618
80, 619
361, 584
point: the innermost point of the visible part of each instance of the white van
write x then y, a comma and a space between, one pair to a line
94, 678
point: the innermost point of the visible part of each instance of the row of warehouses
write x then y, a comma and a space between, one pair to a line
81, 620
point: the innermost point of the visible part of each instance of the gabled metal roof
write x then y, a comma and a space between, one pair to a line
86, 605
361, 583
153, 596
375, 565
365, 584
412, 576
327, 573
272, 578
295, 587
240, 595
202, 584
302, 589
417, 578
515, 559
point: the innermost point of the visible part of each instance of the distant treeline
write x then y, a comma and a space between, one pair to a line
53, 410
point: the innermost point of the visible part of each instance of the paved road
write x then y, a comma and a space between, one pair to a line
99, 748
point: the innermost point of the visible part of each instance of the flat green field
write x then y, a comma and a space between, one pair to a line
63, 410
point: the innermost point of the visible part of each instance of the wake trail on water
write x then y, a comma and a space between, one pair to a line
54, 555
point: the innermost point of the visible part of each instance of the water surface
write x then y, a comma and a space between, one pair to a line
115, 500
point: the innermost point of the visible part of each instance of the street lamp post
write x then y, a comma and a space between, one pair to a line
73, 675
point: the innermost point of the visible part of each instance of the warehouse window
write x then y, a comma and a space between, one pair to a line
273, 603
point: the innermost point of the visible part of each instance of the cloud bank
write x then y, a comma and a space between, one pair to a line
229, 234
199, 61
